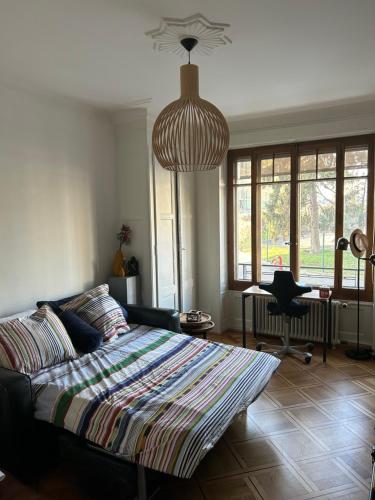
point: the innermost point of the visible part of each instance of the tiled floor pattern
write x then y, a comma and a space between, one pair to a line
308, 436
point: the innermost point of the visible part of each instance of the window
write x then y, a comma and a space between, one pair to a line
273, 188
288, 204
317, 216
355, 209
242, 194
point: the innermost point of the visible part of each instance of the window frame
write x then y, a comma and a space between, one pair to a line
295, 150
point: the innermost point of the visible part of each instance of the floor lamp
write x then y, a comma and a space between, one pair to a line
358, 244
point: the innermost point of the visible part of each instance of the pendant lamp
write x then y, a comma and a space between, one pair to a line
190, 134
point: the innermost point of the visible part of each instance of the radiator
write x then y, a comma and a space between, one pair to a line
309, 327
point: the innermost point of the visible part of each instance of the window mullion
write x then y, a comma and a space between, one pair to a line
255, 222
339, 223
294, 215
370, 217
232, 218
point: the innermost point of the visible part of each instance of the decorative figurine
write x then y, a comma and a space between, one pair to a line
131, 267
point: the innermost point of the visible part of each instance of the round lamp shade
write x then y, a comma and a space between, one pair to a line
342, 244
190, 134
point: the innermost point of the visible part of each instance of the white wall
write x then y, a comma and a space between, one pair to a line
320, 123
208, 229
134, 188
211, 244
58, 198
187, 210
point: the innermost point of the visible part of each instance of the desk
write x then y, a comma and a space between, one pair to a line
255, 291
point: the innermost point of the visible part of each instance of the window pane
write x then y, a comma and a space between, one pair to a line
317, 232
355, 215
265, 174
275, 215
307, 167
243, 233
326, 165
356, 162
282, 168
243, 172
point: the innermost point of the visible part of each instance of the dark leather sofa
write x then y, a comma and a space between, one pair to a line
28, 445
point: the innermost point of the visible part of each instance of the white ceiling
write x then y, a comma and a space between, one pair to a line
285, 55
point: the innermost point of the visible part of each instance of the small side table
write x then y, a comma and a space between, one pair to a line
197, 327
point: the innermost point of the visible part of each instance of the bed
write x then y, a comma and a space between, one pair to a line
153, 397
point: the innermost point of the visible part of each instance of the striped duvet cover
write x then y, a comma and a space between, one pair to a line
153, 397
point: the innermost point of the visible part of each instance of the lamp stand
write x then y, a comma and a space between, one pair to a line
358, 353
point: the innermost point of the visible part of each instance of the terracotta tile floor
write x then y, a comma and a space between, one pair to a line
308, 436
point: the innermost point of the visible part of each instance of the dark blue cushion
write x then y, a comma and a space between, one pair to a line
124, 311
85, 338
55, 304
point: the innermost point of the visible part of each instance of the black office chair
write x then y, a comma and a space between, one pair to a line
285, 289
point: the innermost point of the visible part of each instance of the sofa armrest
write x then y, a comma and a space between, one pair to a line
16, 415
169, 319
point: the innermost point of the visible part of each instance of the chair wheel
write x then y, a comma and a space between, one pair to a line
308, 359
258, 347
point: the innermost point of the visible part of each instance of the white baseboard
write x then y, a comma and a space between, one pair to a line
351, 338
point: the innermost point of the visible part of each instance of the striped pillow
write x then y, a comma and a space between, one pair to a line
100, 310
35, 342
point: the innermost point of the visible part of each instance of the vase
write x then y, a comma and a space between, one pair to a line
118, 264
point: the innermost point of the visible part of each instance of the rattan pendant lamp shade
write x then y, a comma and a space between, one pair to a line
190, 134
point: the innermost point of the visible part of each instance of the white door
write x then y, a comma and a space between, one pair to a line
186, 226
166, 233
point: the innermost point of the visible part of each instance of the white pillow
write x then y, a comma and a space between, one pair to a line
23, 314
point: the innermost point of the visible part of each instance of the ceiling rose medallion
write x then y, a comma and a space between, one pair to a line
190, 134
